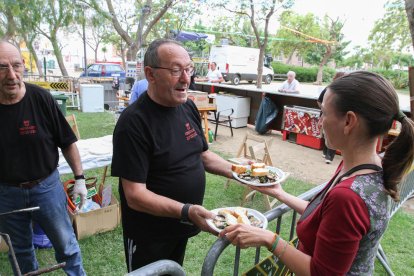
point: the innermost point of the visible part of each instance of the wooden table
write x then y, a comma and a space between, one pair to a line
204, 115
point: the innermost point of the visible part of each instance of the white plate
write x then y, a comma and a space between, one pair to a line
253, 212
281, 174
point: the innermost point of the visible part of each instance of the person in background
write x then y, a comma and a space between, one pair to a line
33, 128
340, 228
160, 155
139, 87
213, 74
328, 153
291, 85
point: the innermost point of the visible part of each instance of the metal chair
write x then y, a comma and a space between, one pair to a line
223, 118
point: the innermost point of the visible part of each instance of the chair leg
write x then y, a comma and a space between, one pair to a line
231, 128
227, 184
215, 133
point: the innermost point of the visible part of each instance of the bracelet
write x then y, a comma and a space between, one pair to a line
275, 243
283, 250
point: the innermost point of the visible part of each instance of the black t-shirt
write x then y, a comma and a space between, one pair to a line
31, 132
160, 146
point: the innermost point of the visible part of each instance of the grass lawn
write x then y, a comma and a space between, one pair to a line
103, 253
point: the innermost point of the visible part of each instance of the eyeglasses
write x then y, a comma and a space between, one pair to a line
16, 67
177, 72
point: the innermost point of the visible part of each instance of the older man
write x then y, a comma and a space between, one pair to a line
291, 85
160, 155
32, 129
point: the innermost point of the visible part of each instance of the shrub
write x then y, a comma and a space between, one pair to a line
398, 78
303, 74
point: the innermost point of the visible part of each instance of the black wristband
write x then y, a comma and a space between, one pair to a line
81, 176
184, 214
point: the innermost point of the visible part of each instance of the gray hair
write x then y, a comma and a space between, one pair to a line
151, 57
291, 73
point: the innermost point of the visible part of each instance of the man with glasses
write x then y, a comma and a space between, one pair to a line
161, 155
32, 129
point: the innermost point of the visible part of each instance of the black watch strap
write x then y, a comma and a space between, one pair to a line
81, 176
184, 214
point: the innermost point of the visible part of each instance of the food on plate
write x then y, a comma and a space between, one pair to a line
227, 217
258, 175
238, 168
258, 165
259, 172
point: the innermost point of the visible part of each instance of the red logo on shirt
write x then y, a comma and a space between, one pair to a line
190, 133
27, 129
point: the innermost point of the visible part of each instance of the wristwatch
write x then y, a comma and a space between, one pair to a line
81, 176
184, 214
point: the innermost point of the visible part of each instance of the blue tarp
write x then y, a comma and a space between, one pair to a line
187, 36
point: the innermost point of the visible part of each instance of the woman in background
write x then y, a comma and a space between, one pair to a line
340, 229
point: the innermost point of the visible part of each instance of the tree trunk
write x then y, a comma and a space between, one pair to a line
260, 67
32, 51
58, 54
328, 54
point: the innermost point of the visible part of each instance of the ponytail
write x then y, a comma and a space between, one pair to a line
398, 157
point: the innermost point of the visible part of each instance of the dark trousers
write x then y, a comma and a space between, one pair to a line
329, 153
139, 254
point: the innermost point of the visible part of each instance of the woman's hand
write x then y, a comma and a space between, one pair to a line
244, 236
274, 191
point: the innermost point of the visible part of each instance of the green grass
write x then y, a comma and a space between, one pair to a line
103, 253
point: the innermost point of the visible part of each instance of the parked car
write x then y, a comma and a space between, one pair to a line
104, 70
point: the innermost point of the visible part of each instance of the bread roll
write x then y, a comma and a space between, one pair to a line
260, 172
258, 165
243, 219
238, 168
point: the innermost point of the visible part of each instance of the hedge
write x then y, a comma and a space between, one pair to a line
398, 78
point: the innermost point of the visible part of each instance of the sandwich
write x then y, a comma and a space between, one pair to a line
238, 168
260, 172
258, 165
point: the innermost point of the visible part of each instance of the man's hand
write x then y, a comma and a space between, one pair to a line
80, 190
198, 215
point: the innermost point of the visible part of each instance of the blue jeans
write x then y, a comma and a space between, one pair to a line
52, 217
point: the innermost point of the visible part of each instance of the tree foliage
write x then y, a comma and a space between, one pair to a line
290, 42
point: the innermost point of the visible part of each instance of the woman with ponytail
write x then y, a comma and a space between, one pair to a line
340, 229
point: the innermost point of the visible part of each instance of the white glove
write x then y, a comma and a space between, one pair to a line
80, 190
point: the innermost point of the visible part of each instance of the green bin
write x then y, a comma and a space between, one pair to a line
61, 101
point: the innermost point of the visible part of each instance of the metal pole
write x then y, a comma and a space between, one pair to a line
44, 66
84, 43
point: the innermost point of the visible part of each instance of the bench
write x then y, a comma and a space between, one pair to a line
283, 212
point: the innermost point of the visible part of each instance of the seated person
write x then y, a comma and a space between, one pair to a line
140, 86
291, 85
213, 75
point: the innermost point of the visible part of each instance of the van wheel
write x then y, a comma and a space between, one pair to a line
250, 81
268, 79
236, 80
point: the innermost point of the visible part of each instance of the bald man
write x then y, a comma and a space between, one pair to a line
32, 128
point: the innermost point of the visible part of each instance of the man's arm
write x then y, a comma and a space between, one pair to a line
141, 199
215, 164
71, 154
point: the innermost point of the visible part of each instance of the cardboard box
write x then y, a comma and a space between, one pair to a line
96, 221
199, 98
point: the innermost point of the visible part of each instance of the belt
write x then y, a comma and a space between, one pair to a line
27, 184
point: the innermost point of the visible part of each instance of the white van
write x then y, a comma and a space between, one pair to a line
239, 63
